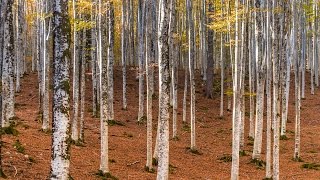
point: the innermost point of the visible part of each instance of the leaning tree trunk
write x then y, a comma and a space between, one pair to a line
61, 91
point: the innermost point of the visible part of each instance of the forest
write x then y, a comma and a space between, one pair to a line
159, 89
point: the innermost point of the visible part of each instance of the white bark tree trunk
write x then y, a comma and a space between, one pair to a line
164, 90
141, 18
236, 119
103, 84
260, 66
7, 66
110, 60
76, 73
61, 93
191, 43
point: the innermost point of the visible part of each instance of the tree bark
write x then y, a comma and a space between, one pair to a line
61, 92
7, 66
164, 90
191, 43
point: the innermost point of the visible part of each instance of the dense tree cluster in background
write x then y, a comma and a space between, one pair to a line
250, 47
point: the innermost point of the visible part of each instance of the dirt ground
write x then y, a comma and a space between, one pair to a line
128, 143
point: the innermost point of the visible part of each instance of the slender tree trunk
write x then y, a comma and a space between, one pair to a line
260, 81
124, 53
304, 51
76, 73
46, 66
315, 44
174, 70
269, 96
236, 119
94, 61
141, 18
185, 92
297, 75
19, 43
83, 84
204, 38
191, 71
103, 81
251, 81
276, 57
149, 68
222, 74
210, 57
110, 61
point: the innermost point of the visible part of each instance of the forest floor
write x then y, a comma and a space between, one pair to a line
127, 143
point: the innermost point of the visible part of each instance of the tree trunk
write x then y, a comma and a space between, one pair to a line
149, 69
46, 66
276, 88
94, 61
104, 166
164, 90
61, 92
83, 83
174, 70
110, 60
236, 120
260, 81
124, 53
210, 57
76, 73
7, 66
297, 75
141, 18
191, 72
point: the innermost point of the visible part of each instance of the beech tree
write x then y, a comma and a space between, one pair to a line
191, 43
141, 52
76, 73
103, 84
164, 90
60, 154
7, 65
4, 6
260, 64
236, 121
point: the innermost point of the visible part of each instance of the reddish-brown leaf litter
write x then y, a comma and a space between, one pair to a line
127, 144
